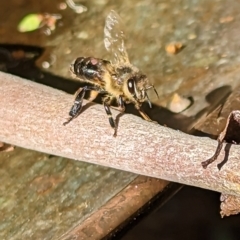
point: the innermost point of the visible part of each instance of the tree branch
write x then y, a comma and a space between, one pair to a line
32, 116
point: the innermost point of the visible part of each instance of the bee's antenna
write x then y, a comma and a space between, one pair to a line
155, 91
149, 103
152, 86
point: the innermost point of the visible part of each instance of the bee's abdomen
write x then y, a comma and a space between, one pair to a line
89, 68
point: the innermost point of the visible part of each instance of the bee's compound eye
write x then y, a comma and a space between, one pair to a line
78, 65
79, 60
131, 86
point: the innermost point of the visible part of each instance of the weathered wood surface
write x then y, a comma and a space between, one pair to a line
32, 116
113, 215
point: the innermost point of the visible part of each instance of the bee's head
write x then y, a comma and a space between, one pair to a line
138, 86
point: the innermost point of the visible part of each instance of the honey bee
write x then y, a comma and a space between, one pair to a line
118, 80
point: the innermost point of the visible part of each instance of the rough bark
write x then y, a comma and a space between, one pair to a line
32, 116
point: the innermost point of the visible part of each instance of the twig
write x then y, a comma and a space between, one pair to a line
32, 116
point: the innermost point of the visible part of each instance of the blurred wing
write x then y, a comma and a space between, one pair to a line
114, 37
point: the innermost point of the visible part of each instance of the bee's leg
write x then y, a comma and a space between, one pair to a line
77, 106
143, 114
106, 104
120, 106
